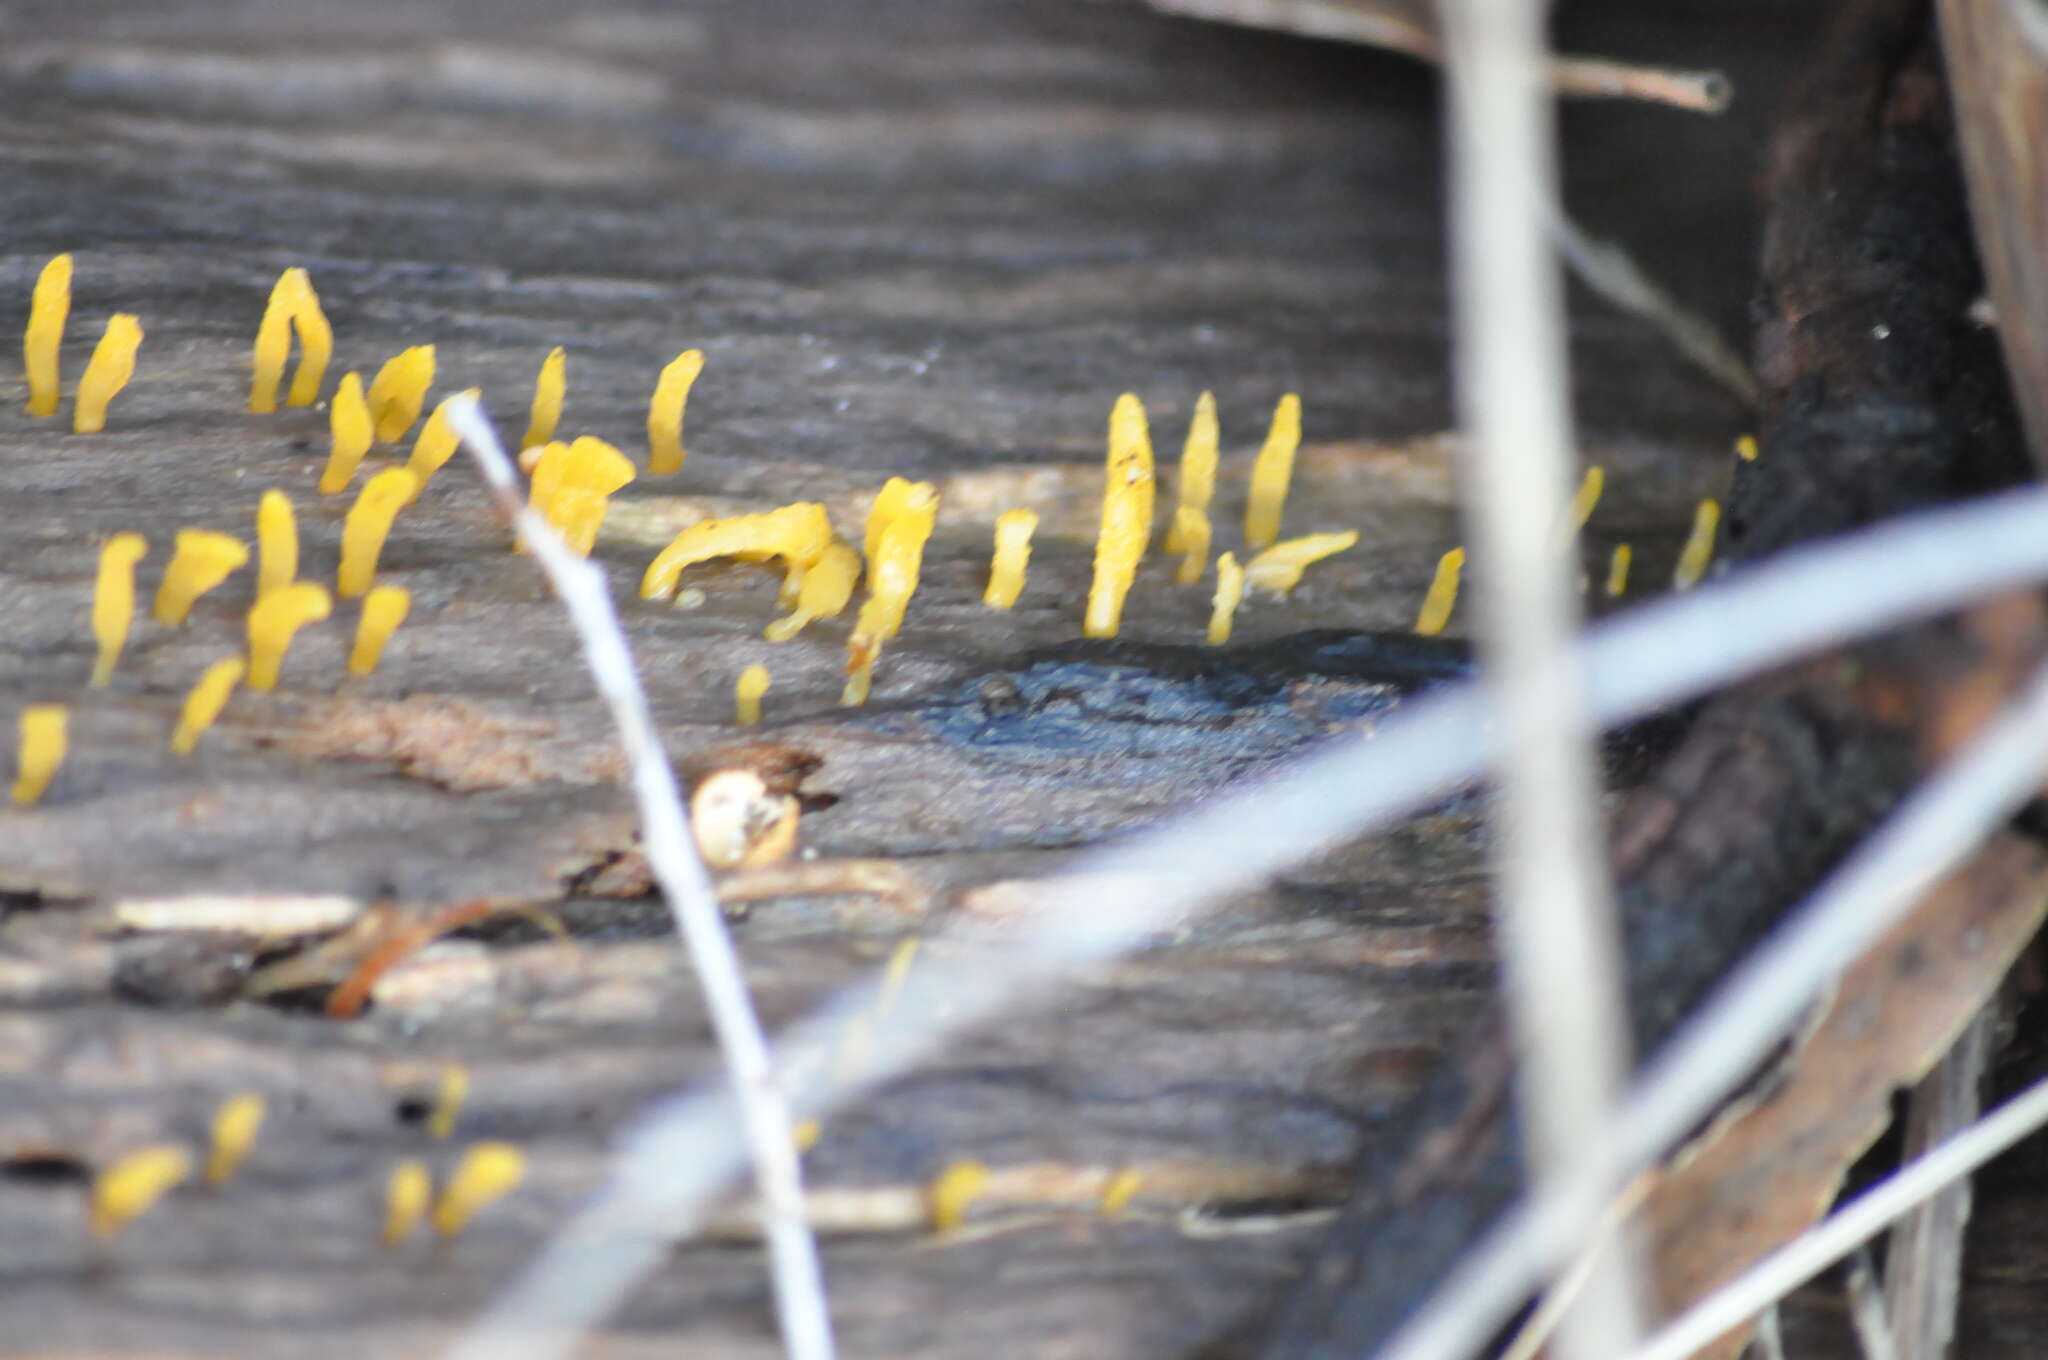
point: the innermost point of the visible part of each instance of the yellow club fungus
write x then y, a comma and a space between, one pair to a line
113, 601
1118, 1192
1012, 556
798, 534
1271, 473
747, 692
487, 1173
106, 373
276, 616
1278, 569
805, 1133
953, 1191
893, 572
1617, 571
1229, 591
449, 1095
1585, 499
894, 975
201, 561
1443, 594
273, 343
384, 608
405, 1200
546, 412
437, 441
1197, 483
1698, 551
827, 588
1192, 531
399, 391
887, 504
45, 735
368, 523
665, 452
204, 702
1746, 448
316, 340
1126, 517
595, 470
277, 542
235, 1126
49, 308
547, 476
126, 1190
349, 426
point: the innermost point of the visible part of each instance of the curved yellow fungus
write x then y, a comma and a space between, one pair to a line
106, 373
316, 340
437, 441
1229, 591
1197, 483
797, 533
1698, 552
277, 542
1746, 448
665, 452
747, 692
887, 504
204, 702
1126, 517
1271, 473
547, 476
448, 1098
276, 616
1617, 571
201, 561
1011, 558
595, 470
893, 573
126, 1190
113, 601
368, 523
953, 1191
1118, 1192
1192, 527
1443, 594
235, 1126
894, 975
1278, 569
487, 1173
350, 428
45, 735
399, 391
546, 412
273, 343
48, 309
405, 1200
827, 588
384, 608
1585, 498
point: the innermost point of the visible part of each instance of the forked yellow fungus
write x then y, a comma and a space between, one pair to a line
106, 373
368, 524
1746, 448
953, 1191
384, 608
273, 343
547, 476
1278, 569
437, 441
277, 542
1443, 594
350, 428
399, 391
1229, 592
1192, 530
201, 561
665, 452
1012, 557
235, 1126
45, 734
798, 534
595, 470
893, 572
113, 601
204, 702
1197, 482
126, 1190
747, 692
316, 341
1118, 1192
276, 616
405, 1200
1617, 571
1126, 517
546, 412
49, 307
487, 1173
448, 1097
1271, 473
827, 588
1698, 551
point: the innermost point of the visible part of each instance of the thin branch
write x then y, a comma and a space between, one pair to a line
1867, 1312
1924, 1267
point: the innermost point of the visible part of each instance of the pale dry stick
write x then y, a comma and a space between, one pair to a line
1868, 1316
676, 1163
1924, 1265
801, 1307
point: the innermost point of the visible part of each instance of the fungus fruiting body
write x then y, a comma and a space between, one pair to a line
49, 308
1585, 499
1617, 571
106, 373
204, 702
276, 616
126, 1190
1118, 1192
399, 391
1442, 598
826, 590
368, 524
805, 1134
953, 1191
894, 565
113, 601
1229, 592
384, 608
887, 504
1126, 517
1272, 471
350, 428
273, 344
1698, 551
437, 441
1746, 448
548, 388
277, 542
235, 1126
1197, 485
799, 534
747, 692
405, 1200
449, 1095
1278, 569
1193, 531
894, 976
486, 1173
572, 486
1011, 558
738, 822
201, 560
665, 452
45, 735
316, 340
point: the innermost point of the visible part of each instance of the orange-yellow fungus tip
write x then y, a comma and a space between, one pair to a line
274, 619
486, 1173
204, 702
1617, 571
45, 735
384, 608
277, 542
1229, 592
826, 590
106, 373
897, 561
49, 308
113, 601
798, 533
953, 1192
437, 441
1746, 448
399, 391
1443, 594
350, 428
316, 340
1011, 559
1272, 471
1192, 531
1698, 552
405, 1200
747, 692
368, 524
126, 1189
665, 451
1197, 484
1126, 526
235, 1126
887, 504
863, 650
201, 561
449, 1095
273, 343
1278, 569
1118, 1192
546, 412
